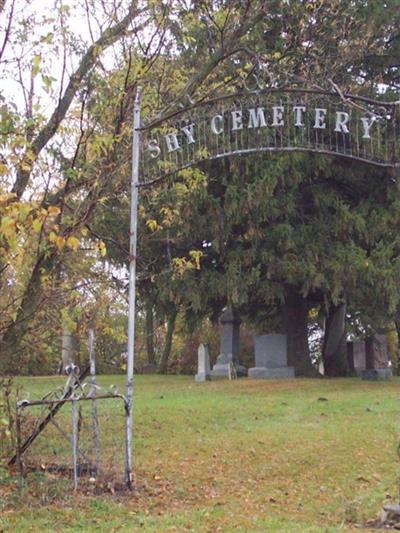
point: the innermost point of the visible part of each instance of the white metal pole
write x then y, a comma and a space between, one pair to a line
74, 441
132, 286
93, 392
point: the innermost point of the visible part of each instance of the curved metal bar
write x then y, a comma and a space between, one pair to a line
394, 165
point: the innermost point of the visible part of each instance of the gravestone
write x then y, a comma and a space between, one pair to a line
356, 356
229, 347
203, 364
369, 359
271, 358
376, 359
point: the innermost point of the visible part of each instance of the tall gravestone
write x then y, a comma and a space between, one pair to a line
356, 356
229, 346
369, 359
271, 358
203, 364
376, 359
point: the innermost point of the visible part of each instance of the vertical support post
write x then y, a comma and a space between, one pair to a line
132, 287
95, 420
18, 451
74, 442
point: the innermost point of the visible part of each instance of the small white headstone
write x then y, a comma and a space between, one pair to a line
203, 365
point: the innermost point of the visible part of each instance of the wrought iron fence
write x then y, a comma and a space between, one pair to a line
77, 432
270, 121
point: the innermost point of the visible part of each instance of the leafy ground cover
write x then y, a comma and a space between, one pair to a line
288, 456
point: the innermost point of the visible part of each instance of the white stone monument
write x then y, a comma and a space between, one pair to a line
203, 365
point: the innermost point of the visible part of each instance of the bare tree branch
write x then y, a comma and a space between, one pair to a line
225, 50
88, 61
7, 32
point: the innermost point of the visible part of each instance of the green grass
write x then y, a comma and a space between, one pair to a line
269, 456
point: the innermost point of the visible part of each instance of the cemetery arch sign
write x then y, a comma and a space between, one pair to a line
271, 120
265, 120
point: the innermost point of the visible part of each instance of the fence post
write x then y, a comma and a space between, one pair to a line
132, 286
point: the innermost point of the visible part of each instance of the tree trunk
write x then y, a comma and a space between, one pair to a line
151, 354
370, 353
396, 370
67, 348
109, 36
334, 351
168, 341
296, 321
10, 345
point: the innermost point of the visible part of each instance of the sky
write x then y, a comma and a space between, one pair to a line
45, 42
49, 36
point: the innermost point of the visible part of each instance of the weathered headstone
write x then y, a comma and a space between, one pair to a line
203, 364
271, 358
229, 346
376, 359
356, 356
369, 359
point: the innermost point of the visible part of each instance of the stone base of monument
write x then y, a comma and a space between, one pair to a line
223, 371
223, 367
261, 372
201, 377
376, 374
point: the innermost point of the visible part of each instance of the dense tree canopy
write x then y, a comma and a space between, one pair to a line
272, 236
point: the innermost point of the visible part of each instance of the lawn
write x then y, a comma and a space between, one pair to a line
289, 456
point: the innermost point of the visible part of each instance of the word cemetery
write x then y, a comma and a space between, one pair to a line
256, 118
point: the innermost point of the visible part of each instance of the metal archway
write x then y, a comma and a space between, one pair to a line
265, 120
271, 120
